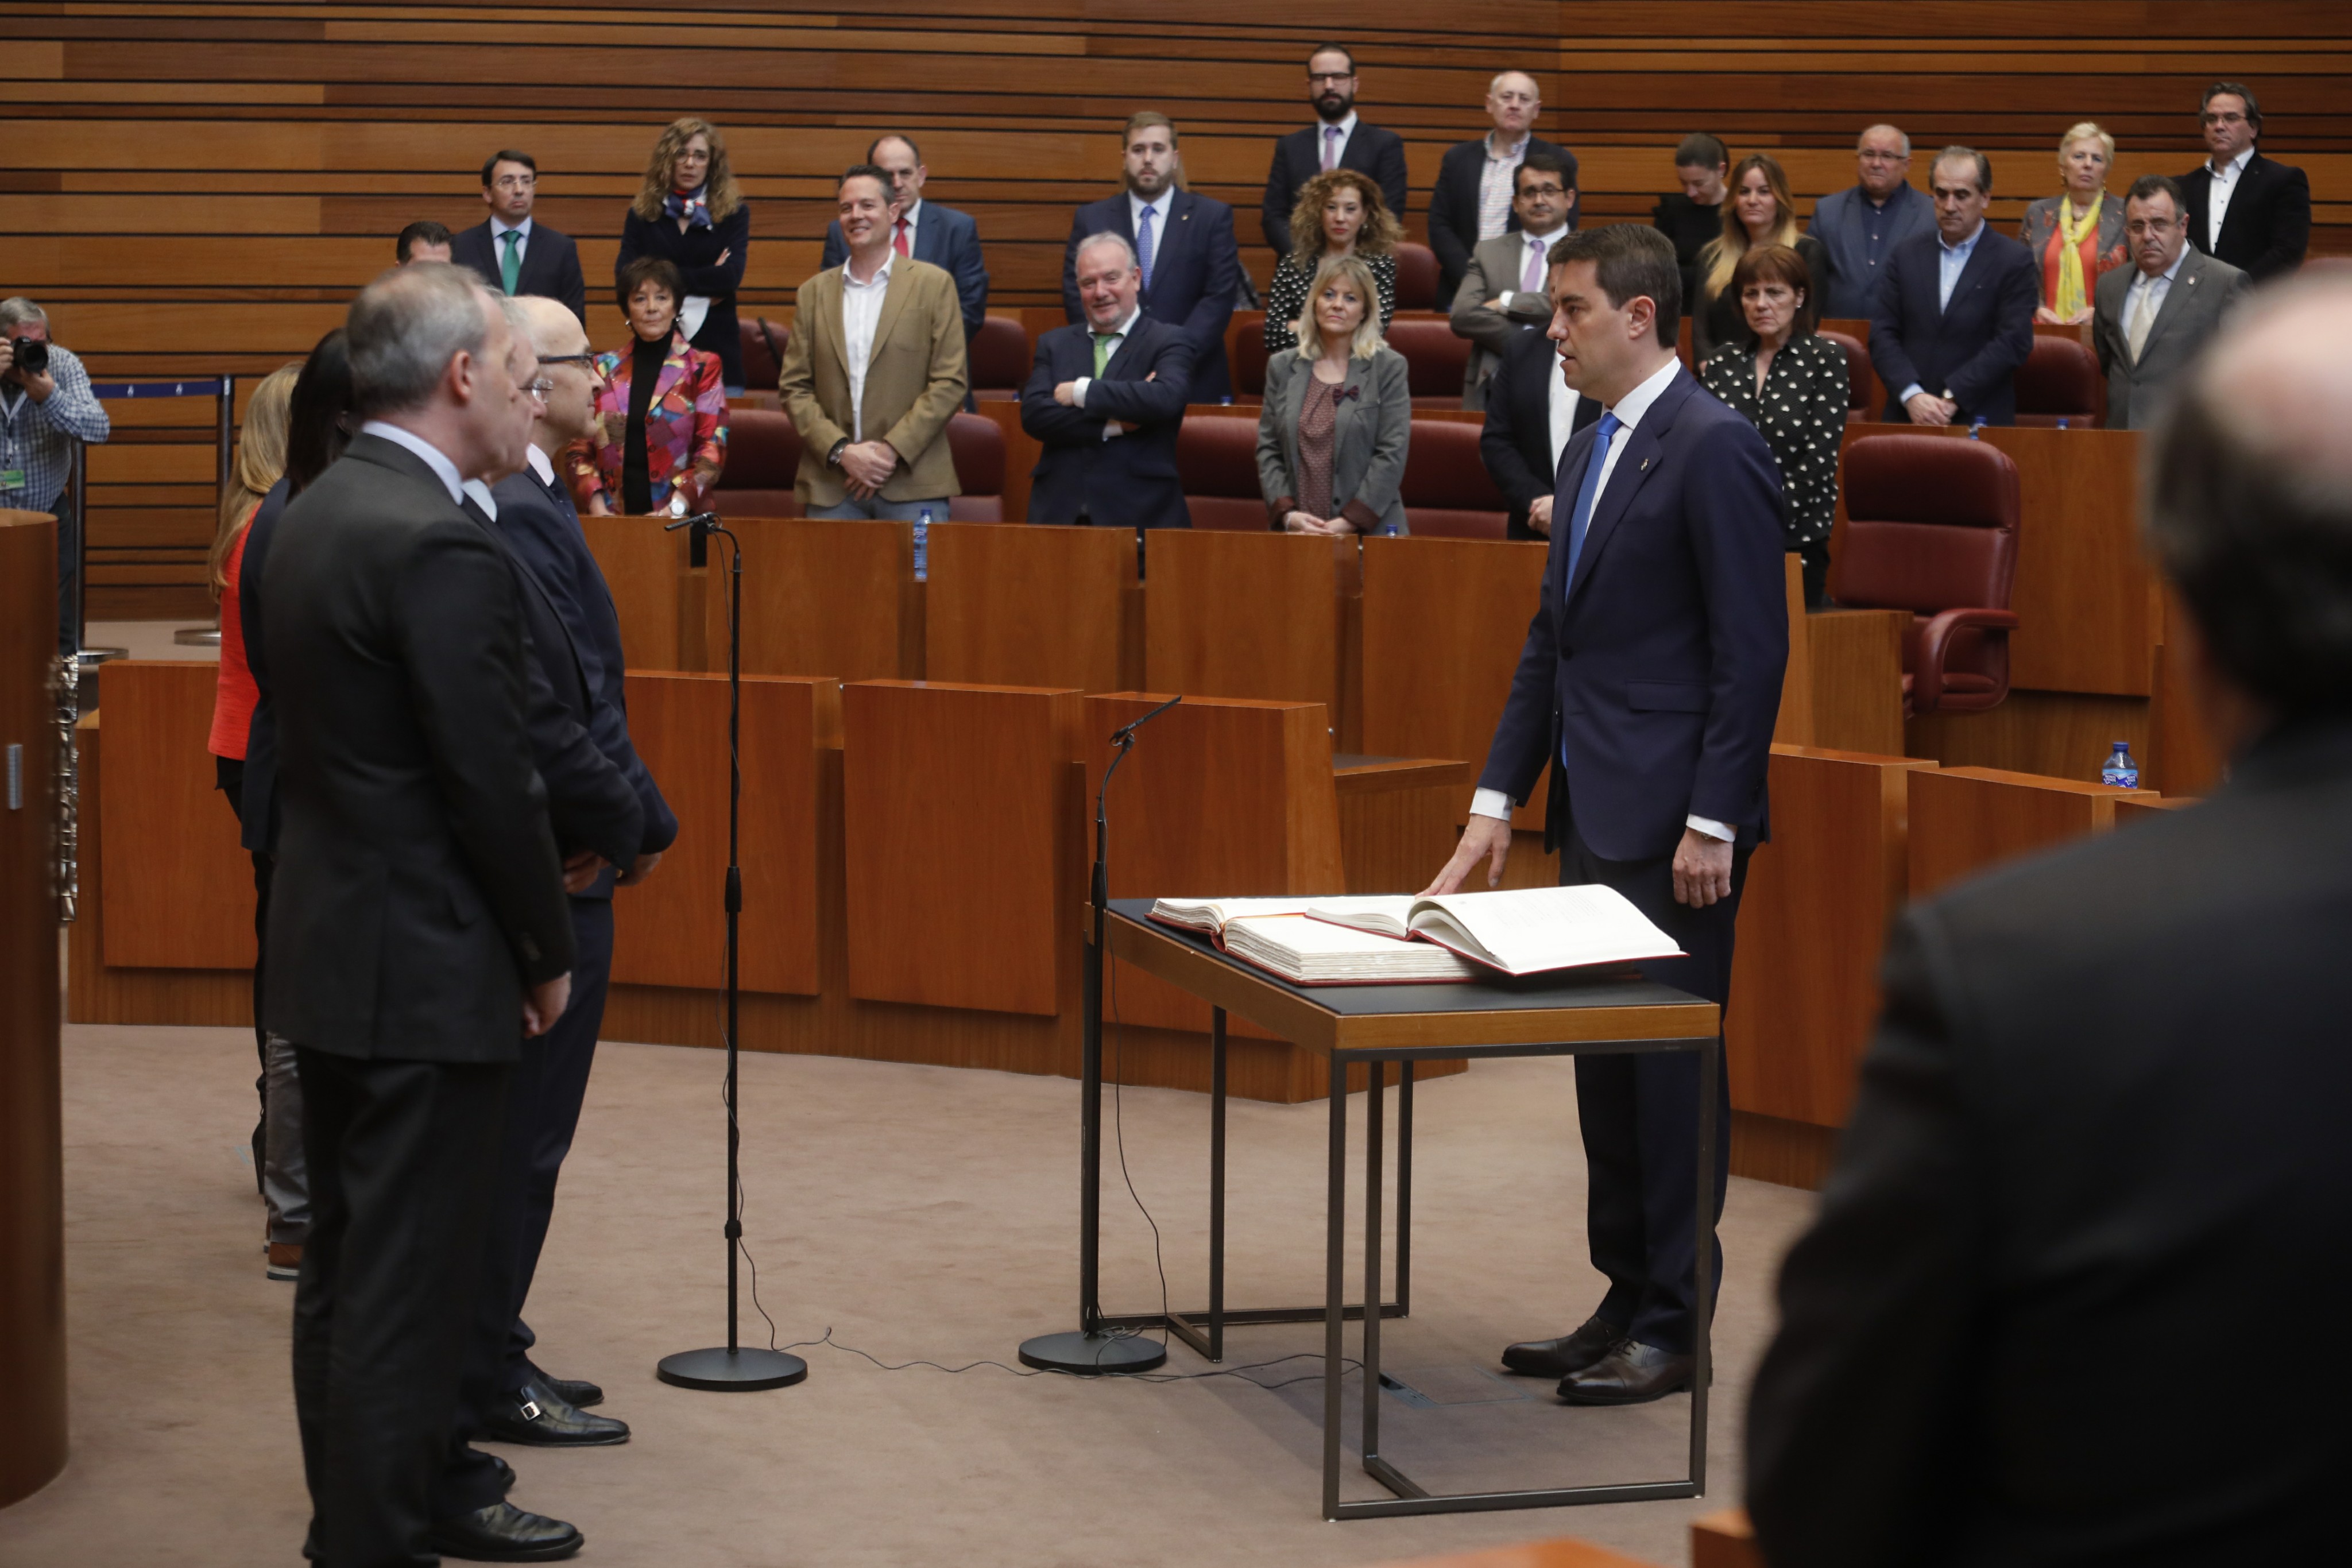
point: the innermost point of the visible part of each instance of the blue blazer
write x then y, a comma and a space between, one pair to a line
1129, 479
949, 240
1655, 676
1841, 222
1971, 347
541, 529
1195, 268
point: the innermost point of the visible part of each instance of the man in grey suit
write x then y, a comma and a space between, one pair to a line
2150, 320
1503, 292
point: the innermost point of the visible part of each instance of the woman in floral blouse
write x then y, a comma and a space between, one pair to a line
1791, 383
661, 418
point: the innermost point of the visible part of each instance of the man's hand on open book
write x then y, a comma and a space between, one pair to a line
1485, 838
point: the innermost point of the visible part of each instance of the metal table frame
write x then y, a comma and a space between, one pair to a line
1179, 962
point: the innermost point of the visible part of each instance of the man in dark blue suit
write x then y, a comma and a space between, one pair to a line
1531, 416
923, 230
1953, 317
1337, 140
513, 251
1106, 399
575, 633
1184, 242
1648, 686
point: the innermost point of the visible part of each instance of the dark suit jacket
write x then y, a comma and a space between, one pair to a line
2102, 1119
1129, 479
1298, 158
695, 253
2268, 226
551, 264
257, 796
1971, 347
541, 527
1195, 270
1657, 672
1516, 440
1454, 207
2195, 304
946, 238
418, 889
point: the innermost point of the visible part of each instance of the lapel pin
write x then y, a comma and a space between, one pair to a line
1644, 468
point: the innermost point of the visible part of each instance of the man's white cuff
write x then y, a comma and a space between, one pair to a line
1491, 803
1712, 829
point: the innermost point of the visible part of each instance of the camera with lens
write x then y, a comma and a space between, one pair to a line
32, 356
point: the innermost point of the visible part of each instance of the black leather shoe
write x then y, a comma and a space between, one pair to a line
533, 1415
1631, 1373
1568, 1354
505, 1534
576, 1392
505, 1472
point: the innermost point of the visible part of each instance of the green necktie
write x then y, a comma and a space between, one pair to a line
511, 264
1103, 340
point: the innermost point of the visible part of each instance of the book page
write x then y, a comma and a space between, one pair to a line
1527, 930
1387, 914
1211, 914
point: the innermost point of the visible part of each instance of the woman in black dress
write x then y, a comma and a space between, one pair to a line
691, 215
1789, 382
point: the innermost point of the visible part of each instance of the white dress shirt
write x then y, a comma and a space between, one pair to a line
1563, 416
499, 226
2150, 290
1118, 342
2224, 186
1629, 412
443, 469
540, 465
913, 218
482, 498
1346, 129
1497, 175
1527, 243
861, 312
1157, 206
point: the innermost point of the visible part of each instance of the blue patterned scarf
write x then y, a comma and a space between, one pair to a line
692, 206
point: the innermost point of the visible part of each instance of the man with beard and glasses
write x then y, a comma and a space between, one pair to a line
1337, 140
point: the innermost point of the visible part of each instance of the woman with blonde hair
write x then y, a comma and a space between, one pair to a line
1337, 418
2079, 234
1758, 211
689, 214
1340, 213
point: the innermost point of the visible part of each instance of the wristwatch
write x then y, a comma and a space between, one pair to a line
832, 459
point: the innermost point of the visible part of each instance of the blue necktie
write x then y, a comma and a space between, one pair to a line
1143, 245
1581, 519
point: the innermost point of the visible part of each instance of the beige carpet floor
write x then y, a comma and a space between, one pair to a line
916, 1212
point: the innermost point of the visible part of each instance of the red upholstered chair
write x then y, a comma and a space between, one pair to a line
1448, 494
1858, 380
978, 445
1001, 358
1416, 283
764, 454
1437, 357
763, 343
2060, 379
1217, 456
1931, 528
1249, 357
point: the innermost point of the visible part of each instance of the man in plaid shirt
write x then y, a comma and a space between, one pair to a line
42, 414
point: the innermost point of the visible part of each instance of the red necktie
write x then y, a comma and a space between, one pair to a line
900, 243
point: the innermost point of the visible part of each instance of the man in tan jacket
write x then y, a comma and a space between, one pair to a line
874, 371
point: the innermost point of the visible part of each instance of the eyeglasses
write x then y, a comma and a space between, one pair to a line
1327, 78
515, 182
583, 359
539, 388
1887, 157
2225, 117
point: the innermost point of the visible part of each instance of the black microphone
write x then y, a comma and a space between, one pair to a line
699, 520
1127, 731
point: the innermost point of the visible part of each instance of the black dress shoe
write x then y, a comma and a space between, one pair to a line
1631, 1373
576, 1392
1568, 1354
505, 1534
533, 1415
505, 1472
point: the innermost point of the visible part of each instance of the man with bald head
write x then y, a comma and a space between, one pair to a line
2071, 1294
1476, 180
1862, 225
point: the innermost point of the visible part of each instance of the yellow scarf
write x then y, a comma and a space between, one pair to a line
2071, 295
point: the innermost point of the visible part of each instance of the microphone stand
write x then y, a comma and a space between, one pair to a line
730, 1367
1092, 1350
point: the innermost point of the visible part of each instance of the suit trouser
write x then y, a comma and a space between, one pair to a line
278, 1162
550, 1082
402, 1156
1639, 1114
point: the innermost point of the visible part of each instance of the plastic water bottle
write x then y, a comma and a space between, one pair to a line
923, 545
1976, 430
2120, 770
2061, 421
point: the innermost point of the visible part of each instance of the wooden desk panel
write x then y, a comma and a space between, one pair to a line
1012, 605
177, 887
1855, 659
1963, 819
1444, 621
1397, 819
1246, 615
1793, 725
671, 931
2149, 807
822, 598
951, 798
659, 597
2181, 758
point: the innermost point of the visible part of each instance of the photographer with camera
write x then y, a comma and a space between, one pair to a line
45, 406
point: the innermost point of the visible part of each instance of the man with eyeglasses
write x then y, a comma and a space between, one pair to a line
2250, 212
1860, 225
515, 253
1337, 139
2148, 319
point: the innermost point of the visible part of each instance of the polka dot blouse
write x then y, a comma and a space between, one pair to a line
1802, 411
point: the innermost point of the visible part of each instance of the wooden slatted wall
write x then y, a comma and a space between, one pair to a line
200, 186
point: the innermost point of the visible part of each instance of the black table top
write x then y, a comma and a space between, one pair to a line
1495, 993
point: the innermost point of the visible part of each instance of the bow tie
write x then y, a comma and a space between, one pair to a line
1345, 394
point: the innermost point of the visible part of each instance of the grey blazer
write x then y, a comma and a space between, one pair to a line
1368, 439
2201, 294
2041, 222
1496, 265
